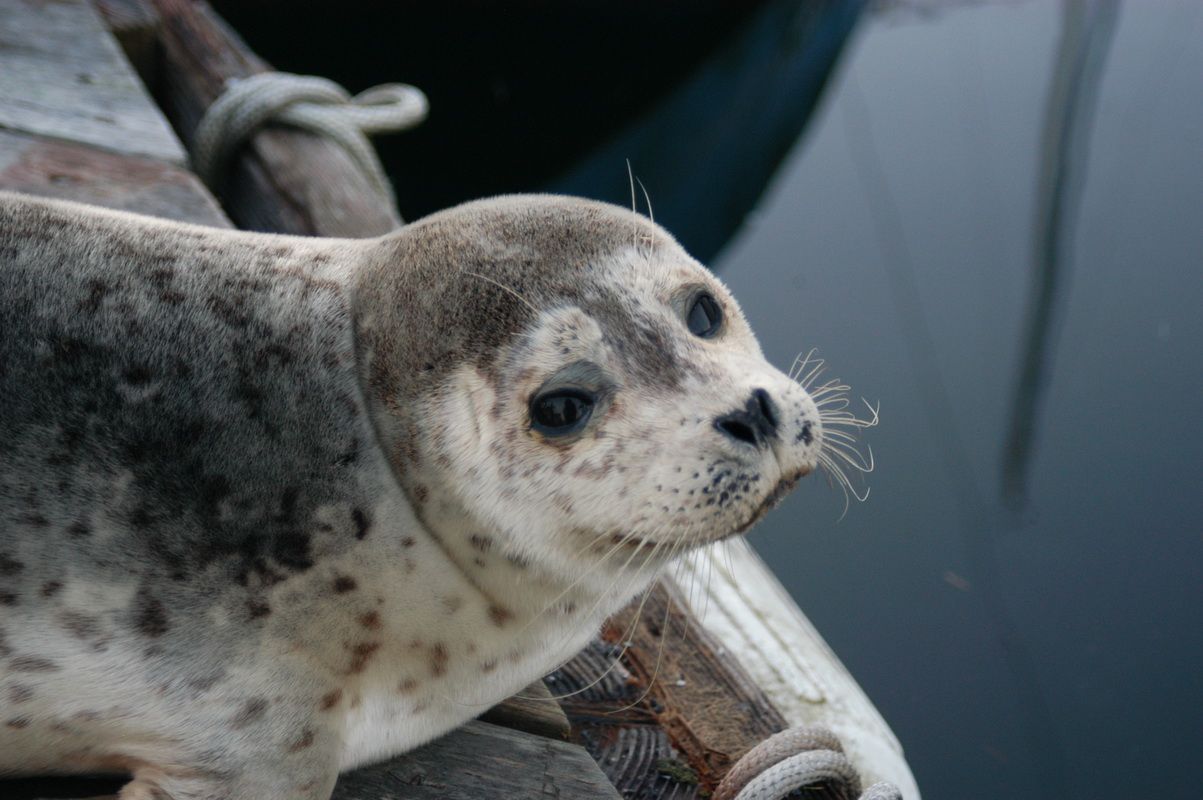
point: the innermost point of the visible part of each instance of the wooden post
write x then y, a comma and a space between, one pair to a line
284, 180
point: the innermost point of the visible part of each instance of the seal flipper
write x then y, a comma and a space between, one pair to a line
304, 768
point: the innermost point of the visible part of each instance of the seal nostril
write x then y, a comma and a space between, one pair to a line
755, 423
736, 428
767, 410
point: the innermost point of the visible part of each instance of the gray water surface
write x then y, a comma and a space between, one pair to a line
1040, 636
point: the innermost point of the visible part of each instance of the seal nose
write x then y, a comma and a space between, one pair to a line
754, 424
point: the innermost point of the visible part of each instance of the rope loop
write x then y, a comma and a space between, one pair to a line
313, 104
792, 759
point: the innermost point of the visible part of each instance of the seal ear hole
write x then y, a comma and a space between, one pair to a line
561, 411
704, 316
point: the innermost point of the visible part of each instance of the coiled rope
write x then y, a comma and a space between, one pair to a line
313, 104
792, 759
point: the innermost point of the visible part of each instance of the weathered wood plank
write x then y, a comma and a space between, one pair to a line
533, 710
711, 708
284, 180
136, 28
62, 75
476, 761
676, 707
481, 760
68, 171
747, 609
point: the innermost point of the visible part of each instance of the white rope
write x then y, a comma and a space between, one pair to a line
792, 759
801, 769
314, 104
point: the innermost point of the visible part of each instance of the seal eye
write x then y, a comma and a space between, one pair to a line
705, 316
561, 411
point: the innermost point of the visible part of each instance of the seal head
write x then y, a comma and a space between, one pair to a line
569, 379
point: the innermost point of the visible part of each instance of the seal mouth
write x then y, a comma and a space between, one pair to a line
630, 542
770, 501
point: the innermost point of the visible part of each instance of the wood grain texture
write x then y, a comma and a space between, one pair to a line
283, 180
62, 75
713, 711
665, 710
746, 608
68, 171
474, 762
533, 710
482, 761
136, 27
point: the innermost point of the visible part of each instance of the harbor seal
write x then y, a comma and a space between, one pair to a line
272, 507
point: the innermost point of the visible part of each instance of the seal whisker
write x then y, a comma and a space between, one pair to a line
584, 575
706, 594
602, 596
840, 416
665, 628
626, 637
791, 373
851, 457
647, 199
805, 380
503, 287
832, 389
829, 385
841, 480
837, 449
801, 363
634, 207
833, 403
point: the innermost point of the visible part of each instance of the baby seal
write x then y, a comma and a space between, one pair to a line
272, 507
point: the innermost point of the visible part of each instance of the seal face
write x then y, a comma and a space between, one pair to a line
622, 409
272, 507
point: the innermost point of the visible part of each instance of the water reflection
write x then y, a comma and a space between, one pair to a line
1087, 30
978, 525
1016, 652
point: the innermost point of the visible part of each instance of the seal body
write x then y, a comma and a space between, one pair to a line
271, 507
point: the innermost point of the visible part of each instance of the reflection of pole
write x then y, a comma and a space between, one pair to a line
1088, 27
977, 523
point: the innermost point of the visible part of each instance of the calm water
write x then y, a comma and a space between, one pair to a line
1046, 639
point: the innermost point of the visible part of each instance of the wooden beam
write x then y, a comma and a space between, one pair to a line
750, 613
712, 710
69, 171
63, 76
671, 704
481, 760
285, 180
135, 25
533, 710
475, 761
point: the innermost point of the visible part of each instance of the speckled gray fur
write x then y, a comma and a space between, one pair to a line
267, 504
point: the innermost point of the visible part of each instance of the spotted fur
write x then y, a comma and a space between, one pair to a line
271, 507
